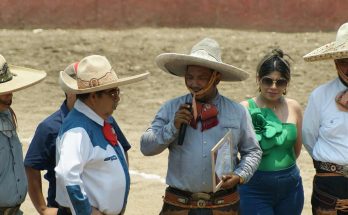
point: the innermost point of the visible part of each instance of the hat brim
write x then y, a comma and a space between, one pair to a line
22, 78
69, 84
176, 64
333, 50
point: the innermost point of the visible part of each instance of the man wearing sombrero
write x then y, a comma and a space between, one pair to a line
92, 172
189, 174
325, 130
13, 181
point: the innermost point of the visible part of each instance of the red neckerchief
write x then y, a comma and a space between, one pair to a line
207, 114
110, 134
342, 100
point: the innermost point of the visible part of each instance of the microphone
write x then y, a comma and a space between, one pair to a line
182, 130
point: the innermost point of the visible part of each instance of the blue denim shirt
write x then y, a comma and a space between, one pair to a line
189, 166
13, 180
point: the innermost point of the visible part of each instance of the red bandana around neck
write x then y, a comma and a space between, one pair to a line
207, 114
110, 134
342, 100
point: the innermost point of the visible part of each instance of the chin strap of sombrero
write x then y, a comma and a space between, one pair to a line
201, 92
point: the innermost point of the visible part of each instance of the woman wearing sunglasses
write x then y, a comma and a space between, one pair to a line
276, 187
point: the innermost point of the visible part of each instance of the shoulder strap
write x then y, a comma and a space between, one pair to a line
252, 103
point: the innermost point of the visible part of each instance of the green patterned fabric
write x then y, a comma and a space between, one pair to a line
5, 74
276, 139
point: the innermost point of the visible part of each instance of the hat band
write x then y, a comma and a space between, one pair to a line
5, 74
109, 77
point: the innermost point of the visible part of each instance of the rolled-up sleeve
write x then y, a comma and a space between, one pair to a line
249, 149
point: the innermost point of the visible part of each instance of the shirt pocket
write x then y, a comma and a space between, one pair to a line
333, 125
231, 124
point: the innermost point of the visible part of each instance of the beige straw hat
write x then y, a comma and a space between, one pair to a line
205, 53
14, 78
94, 73
334, 50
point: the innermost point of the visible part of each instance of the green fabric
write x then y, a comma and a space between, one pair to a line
5, 74
276, 139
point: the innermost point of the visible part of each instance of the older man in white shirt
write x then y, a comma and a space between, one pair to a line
92, 172
325, 130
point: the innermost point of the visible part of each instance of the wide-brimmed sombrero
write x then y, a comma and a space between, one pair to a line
334, 50
95, 73
205, 53
14, 78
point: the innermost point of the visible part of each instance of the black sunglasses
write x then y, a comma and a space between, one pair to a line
114, 93
267, 81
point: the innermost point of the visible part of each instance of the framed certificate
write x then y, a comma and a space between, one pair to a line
221, 160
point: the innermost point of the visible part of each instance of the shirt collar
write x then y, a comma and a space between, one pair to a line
217, 98
64, 108
5, 113
83, 108
341, 86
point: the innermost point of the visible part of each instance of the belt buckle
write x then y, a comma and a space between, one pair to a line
201, 203
345, 171
200, 196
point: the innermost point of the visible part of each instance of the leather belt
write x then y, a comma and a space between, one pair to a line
185, 199
331, 167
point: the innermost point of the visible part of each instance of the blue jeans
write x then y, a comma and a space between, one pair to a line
273, 193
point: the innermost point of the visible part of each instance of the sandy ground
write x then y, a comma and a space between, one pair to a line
132, 52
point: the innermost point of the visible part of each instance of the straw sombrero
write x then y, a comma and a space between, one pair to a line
14, 78
205, 53
334, 50
94, 73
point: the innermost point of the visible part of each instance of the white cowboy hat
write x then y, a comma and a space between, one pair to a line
205, 53
14, 78
94, 73
334, 50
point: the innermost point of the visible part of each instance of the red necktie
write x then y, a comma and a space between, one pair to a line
109, 134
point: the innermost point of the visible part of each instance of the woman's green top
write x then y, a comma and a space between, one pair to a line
276, 139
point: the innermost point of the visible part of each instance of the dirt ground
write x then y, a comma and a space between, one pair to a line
132, 52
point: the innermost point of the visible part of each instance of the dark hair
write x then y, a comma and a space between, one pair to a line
274, 61
84, 96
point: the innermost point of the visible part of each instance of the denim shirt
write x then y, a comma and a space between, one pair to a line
13, 180
189, 166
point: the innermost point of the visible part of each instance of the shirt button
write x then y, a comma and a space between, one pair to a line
204, 155
18, 180
205, 142
204, 182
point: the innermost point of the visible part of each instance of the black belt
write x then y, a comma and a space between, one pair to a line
63, 210
331, 167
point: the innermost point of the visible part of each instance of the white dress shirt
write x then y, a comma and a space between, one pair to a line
325, 127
